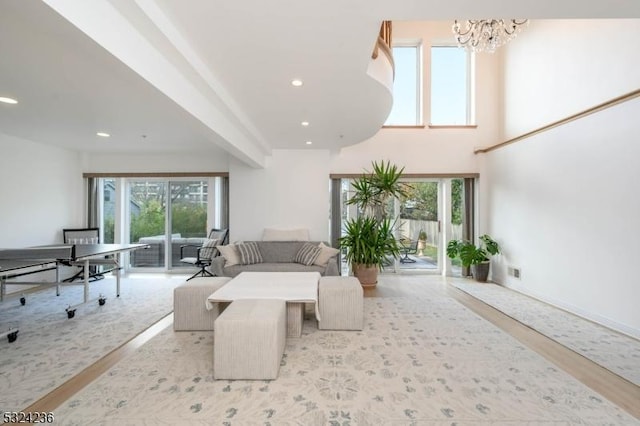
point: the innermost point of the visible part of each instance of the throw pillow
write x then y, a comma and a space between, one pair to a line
249, 253
307, 254
208, 249
326, 253
230, 254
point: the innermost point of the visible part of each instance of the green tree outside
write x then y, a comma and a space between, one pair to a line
421, 202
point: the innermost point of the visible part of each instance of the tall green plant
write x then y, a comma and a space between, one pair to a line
369, 241
372, 191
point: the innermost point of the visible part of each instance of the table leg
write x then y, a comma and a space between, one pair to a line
57, 278
295, 319
117, 260
86, 280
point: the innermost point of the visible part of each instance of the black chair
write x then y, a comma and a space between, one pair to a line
83, 236
205, 252
407, 248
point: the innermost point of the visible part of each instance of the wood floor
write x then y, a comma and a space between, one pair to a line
616, 389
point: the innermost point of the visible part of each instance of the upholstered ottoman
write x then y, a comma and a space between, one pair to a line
249, 339
189, 298
341, 303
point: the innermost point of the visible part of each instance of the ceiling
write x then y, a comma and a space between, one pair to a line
214, 76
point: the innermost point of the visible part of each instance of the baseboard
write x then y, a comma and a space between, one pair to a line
590, 316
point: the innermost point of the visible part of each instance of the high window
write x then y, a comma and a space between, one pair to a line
407, 85
452, 86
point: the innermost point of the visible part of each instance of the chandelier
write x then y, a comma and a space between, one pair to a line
486, 34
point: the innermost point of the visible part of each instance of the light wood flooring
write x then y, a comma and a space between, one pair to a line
616, 389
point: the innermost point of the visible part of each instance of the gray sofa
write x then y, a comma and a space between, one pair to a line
277, 256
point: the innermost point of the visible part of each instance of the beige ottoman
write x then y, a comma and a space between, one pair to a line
189, 310
249, 339
341, 303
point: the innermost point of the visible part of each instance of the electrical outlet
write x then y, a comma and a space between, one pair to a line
514, 272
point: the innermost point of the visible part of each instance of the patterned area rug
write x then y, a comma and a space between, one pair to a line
614, 351
52, 348
426, 360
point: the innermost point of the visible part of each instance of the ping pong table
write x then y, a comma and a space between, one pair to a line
19, 262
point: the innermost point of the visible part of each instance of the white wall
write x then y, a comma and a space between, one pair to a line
563, 204
292, 191
556, 68
41, 192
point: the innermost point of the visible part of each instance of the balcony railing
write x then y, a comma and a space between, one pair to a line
384, 41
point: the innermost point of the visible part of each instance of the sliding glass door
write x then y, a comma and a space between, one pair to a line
167, 214
188, 219
419, 226
433, 212
146, 201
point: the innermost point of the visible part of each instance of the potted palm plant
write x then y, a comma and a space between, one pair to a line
476, 257
369, 242
369, 239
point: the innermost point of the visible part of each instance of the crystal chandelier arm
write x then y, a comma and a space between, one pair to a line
486, 34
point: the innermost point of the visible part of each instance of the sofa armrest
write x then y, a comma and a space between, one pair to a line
332, 267
217, 266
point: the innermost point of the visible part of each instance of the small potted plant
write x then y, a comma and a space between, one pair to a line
422, 242
476, 257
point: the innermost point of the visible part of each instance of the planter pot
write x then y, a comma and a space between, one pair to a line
422, 244
481, 271
367, 275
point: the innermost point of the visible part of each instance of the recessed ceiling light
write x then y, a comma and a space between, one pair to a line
296, 82
304, 123
308, 142
8, 100
103, 134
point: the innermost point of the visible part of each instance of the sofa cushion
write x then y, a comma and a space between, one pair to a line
232, 271
249, 253
326, 253
279, 251
230, 254
307, 254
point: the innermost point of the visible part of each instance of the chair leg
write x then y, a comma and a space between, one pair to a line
201, 273
407, 259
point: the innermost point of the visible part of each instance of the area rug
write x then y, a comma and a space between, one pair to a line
51, 348
614, 351
419, 361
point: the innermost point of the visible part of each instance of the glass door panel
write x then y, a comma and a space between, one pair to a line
108, 213
347, 211
147, 203
419, 227
188, 201
457, 219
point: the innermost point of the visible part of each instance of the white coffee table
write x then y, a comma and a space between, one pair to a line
296, 288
